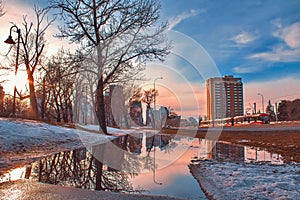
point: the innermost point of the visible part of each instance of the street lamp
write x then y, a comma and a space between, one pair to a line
9, 40
155, 92
262, 101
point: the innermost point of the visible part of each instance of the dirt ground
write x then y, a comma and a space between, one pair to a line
281, 138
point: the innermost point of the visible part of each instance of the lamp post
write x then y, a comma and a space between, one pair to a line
262, 101
154, 91
9, 40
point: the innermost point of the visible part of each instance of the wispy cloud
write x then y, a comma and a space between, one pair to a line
246, 70
173, 21
244, 38
279, 54
290, 34
287, 52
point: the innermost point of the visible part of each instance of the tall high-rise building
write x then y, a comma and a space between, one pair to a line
224, 97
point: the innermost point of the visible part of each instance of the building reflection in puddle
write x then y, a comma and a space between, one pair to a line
223, 151
141, 162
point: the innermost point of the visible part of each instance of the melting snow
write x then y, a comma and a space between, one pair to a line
22, 141
248, 181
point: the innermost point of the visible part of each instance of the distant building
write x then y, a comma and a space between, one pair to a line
115, 110
224, 97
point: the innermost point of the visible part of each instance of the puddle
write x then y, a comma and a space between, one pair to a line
227, 152
143, 162
147, 163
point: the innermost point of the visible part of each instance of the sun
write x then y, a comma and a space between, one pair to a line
20, 81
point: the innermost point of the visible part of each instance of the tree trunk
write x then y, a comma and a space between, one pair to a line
77, 106
99, 174
43, 103
125, 115
33, 101
100, 106
148, 115
94, 118
71, 112
66, 111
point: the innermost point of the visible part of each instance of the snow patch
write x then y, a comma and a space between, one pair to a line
227, 180
22, 141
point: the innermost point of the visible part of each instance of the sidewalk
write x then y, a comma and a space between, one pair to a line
27, 189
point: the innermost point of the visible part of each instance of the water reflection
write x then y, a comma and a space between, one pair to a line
141, 161
223, 151
107, 166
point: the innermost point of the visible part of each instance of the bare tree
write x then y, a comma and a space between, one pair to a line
136, 94
78, 95
85, 86
2, 11
32, 45
148, 98
7, 107
118, 33
57, 87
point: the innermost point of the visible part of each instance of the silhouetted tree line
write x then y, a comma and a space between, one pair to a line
6, 107
56, 87
289, 110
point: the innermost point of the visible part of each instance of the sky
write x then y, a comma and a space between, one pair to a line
258, 41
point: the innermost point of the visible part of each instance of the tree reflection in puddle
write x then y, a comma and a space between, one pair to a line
107, 166
141, 161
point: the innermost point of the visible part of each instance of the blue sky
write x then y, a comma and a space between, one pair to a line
257, 40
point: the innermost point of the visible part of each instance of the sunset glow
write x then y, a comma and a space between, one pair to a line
264, 53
